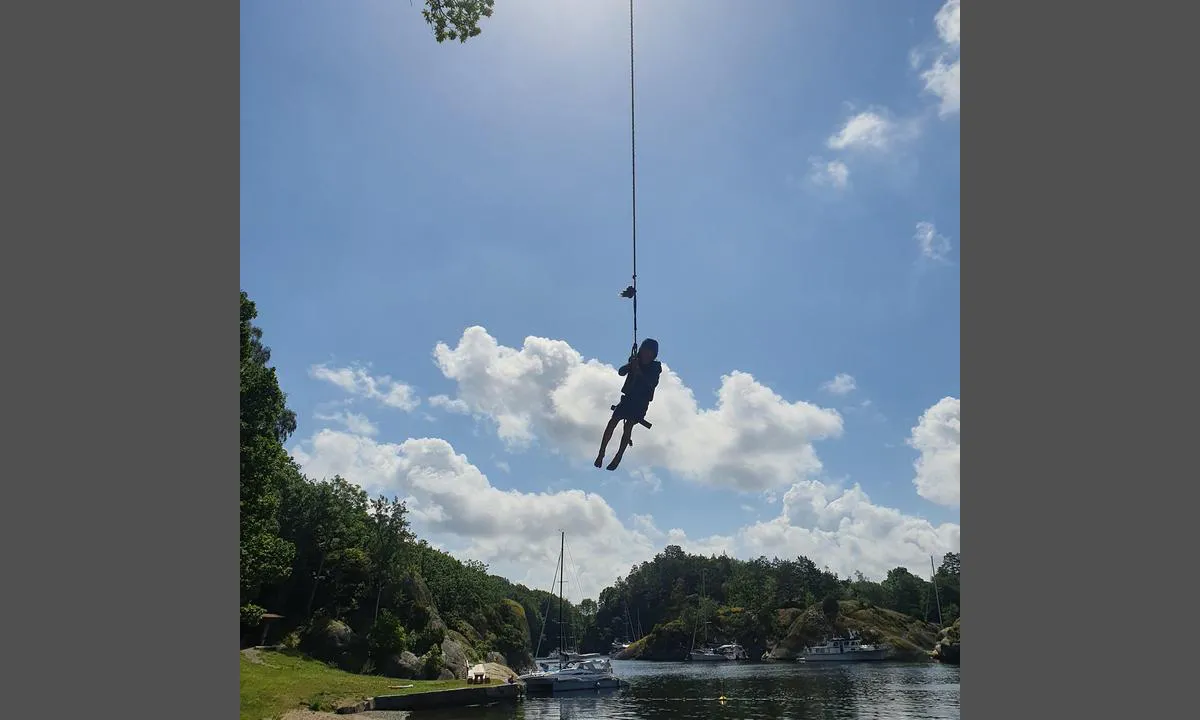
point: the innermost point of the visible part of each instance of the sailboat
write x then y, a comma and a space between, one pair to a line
575, 671
706, 653
619, 646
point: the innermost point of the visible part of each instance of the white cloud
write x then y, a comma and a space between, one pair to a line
936, 437
845, 531
357, 381
451, 501
449, 404
942, 76
832, 173
354, 422
841, 384
869, 130
752, 439
454, 505
932, 245
644, 477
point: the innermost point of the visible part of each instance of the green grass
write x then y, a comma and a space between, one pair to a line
288, 681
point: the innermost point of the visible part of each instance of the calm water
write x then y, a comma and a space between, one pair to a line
766, 691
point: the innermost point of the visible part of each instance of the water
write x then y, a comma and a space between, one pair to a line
759, 691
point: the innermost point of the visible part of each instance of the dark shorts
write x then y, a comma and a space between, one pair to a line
630, 409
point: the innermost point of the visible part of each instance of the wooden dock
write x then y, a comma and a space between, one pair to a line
458, 697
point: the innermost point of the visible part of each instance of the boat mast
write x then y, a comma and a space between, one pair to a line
935, 590
562, 642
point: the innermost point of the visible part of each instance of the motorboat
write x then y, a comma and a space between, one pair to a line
844, 649
722, 653
590, 674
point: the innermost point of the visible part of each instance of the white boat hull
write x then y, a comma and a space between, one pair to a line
554, 685
850, 656
710, 657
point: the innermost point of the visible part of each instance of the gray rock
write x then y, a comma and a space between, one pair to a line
454, 658
405, 665
495, 657
334, 642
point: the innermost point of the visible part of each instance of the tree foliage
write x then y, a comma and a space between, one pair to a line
456, 19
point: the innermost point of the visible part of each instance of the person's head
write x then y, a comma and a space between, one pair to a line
648, 350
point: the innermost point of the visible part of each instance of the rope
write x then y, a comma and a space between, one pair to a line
633, 172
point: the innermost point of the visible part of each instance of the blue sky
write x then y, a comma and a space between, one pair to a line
798, 194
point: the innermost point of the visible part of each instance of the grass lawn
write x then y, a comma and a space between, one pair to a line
280, 682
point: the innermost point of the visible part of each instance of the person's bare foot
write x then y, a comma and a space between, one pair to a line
599, 460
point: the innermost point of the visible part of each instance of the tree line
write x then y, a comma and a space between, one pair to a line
744, 596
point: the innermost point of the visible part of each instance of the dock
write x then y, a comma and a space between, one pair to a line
455, 698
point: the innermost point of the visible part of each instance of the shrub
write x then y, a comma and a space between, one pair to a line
387, 638
433, 662
252, 616
830, 607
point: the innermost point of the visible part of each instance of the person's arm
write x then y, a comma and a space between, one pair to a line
652, 376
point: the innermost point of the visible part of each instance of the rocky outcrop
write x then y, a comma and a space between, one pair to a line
423, 612
808, 628
405, 665
454, 659
333, 641
498, 672
516, 624
947, 648
908, 637
669, 642
432, 649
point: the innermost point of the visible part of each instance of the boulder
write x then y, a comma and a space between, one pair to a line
405, 665
495, 658
949, 640
334, 642
454, 658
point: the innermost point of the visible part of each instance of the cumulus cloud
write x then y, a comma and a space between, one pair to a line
844, 530
354, 422
454, 505
831, 173
942, 76
449, 404
360, 383
936, 437
931, 244
841, 384
872, 130
450, 500
752, 439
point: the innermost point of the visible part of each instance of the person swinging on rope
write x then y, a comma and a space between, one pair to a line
641, 378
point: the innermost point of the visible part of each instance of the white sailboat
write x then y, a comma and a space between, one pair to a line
706, 653
575, 671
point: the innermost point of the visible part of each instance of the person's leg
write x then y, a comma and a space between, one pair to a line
625, 442
608, 431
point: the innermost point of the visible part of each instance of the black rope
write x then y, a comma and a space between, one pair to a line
633, 173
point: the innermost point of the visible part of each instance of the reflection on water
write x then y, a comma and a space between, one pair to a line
775, 691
